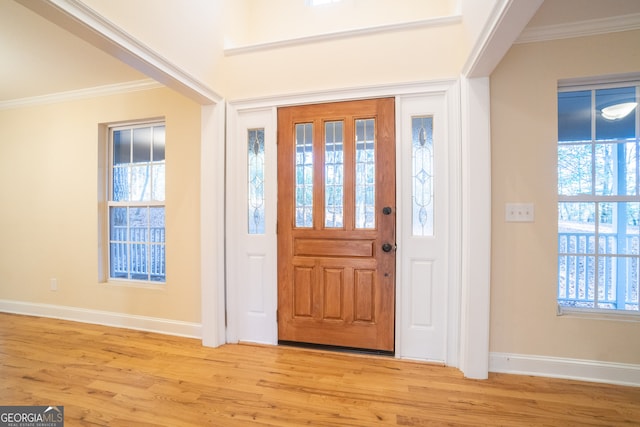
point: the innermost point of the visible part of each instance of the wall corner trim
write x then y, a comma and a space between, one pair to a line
105, 318
72, 95
573, 369
508, 19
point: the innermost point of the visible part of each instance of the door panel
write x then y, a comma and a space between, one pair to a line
426, 220
336, 172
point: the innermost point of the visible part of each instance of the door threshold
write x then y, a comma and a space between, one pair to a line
336, 348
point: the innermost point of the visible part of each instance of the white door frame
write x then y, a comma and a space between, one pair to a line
427, 283
259, 305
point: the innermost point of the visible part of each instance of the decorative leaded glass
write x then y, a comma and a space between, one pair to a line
255, 205
333, 175
422, 163
365, 174
304, 175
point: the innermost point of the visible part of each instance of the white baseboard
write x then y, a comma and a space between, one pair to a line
574, 369
106, 318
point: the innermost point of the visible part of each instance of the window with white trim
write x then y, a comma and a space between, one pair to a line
136, 203
598, 196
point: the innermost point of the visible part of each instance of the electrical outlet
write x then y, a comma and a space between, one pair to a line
519, 212
53, 284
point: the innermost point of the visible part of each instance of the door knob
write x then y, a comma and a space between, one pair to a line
387, 210
387, 247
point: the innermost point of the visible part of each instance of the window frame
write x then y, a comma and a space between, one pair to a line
593, 85
106, 190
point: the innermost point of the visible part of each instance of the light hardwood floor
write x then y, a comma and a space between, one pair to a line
116, 377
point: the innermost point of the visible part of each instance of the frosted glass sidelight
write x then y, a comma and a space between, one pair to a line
255, 203
365, 174
334, 175
304, 175
422, 172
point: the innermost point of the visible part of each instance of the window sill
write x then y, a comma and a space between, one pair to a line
598, 314
155, 286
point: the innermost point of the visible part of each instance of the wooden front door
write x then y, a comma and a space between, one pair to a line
336, 224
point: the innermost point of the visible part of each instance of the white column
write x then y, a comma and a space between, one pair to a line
476, 227
212, 169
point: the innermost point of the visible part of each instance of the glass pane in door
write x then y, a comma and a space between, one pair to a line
256, 180
422, 164
365, 174
333, 175
304, 175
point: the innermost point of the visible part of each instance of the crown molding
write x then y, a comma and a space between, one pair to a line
79, 19
580, 29
300, 41
92, 92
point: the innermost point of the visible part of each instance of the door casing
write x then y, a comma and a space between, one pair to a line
256, 320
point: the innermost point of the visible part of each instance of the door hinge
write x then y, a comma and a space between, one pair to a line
277, 316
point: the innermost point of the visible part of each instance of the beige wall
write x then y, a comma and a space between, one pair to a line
192, 37
387, 58
186, 33
275, 20
524, 262
49, 153
49, 193
408, 55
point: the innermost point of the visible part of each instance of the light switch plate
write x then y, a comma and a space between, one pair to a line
519, 212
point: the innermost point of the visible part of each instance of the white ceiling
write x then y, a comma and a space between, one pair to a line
39, 58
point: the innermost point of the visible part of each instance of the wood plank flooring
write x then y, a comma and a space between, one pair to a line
116, 377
